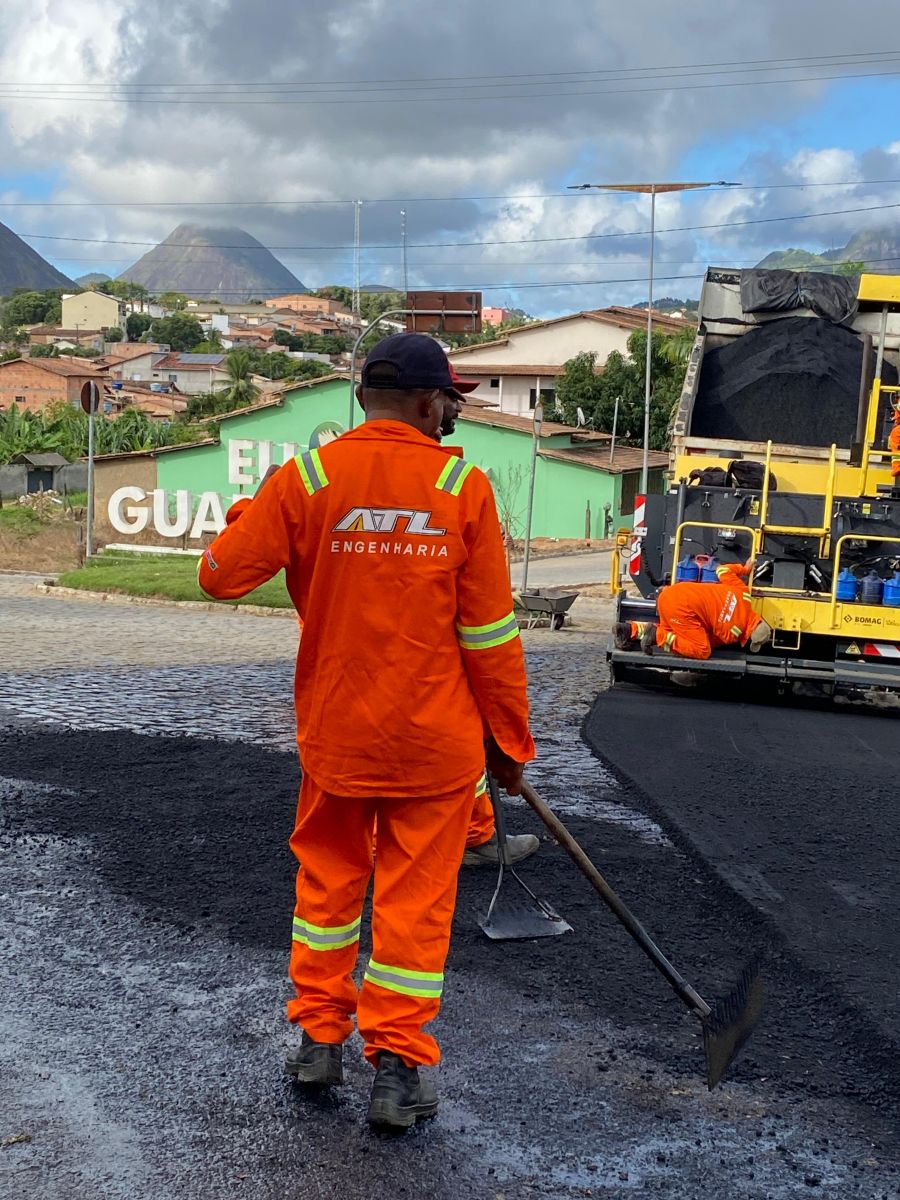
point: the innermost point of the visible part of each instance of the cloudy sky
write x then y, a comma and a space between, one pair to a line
119, 119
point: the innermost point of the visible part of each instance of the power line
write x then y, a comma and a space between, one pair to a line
567, 195
53, 237
527, 75
354, 87
317, 100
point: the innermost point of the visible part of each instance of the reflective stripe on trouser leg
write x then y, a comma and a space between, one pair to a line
420, 845
333, 842
481, 822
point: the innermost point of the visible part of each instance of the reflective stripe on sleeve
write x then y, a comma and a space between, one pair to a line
326, 937
481, 785
747, 596
309, 464
453, 476
483, 637
669, 642
720, 571
400, 979
736, 630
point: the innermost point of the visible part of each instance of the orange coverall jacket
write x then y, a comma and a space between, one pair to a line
410, 652
722, 611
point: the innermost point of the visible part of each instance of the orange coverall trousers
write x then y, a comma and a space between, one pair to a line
420, 845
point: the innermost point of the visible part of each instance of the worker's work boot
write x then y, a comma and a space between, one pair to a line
519, 846
758, 638
399, 1096
648, 639
622, 635
316, 1063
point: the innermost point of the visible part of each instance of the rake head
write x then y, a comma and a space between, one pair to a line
512, 916
731, 1021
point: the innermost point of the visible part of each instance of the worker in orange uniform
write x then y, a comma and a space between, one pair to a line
696, 617
894, 446
410, 658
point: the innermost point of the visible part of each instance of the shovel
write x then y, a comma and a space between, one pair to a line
510, 916
729, 1022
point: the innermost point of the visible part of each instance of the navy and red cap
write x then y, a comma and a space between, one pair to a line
418, 361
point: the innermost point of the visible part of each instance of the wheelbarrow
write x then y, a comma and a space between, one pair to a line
545, 604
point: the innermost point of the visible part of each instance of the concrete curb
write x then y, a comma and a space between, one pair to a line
253, 610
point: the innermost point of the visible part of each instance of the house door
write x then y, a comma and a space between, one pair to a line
40, 479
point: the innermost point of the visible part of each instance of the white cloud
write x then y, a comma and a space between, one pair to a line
475, 145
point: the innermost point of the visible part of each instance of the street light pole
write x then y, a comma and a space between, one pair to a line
652, 190
645, 461
536, 434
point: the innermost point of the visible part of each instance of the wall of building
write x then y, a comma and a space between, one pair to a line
555, 344
38, 387
216, 474
513, 392
91, 310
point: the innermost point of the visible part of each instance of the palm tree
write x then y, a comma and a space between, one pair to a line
240, 389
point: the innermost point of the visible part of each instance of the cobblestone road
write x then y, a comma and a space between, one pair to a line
177, 670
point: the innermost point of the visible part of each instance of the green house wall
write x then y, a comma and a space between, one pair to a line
563, 491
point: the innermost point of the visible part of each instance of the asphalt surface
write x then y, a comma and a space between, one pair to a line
147, 889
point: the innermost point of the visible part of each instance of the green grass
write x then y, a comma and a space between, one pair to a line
173, 577
24, 522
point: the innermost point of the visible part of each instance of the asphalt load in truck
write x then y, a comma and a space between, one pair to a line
794, 381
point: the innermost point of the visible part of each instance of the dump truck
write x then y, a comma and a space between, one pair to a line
795, 372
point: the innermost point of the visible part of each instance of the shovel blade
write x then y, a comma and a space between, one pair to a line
513, 917
731, 1023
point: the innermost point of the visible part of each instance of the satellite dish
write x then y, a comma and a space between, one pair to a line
579, 413
328, 431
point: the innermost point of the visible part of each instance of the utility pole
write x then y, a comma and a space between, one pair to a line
403, 263
652, 190
536, 435
357, 205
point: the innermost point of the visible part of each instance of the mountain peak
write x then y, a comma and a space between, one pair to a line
216, 262
23, 267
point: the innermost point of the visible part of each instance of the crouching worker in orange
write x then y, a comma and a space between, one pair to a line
410, 658
894, 446
694, 618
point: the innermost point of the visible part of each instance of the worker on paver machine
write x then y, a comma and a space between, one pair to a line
410, 658
694, 618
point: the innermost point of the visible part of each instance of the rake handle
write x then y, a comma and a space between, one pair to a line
617, 906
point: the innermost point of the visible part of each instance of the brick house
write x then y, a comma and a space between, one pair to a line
35, 384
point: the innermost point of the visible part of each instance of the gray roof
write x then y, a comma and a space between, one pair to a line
201, 360
42, 460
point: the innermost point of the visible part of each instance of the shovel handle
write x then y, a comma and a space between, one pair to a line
617, 906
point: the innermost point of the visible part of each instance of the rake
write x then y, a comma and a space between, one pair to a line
729, 1021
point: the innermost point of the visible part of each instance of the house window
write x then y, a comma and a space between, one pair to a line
495, 383
548, 397
173, 378
20, 399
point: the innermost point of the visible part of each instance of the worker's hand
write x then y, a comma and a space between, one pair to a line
268, 475
505, 770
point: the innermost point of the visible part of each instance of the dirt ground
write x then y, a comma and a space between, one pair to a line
55, 547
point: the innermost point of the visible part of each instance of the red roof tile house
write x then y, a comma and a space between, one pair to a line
36, 384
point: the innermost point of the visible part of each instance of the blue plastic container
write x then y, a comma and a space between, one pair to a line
688, 571
708, 571
892, 591
871, 589
846, 585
